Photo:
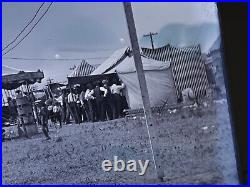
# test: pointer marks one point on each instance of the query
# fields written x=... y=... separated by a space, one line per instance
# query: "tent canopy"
x=158 y=75
x=116 y=58
x=13 y=81
x=128 y=65
x=159 y=81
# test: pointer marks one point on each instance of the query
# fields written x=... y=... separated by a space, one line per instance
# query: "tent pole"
x=143 y=86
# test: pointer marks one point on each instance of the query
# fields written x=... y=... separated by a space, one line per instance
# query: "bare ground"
x=195 y=147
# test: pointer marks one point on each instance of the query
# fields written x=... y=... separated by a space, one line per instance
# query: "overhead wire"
x=33 y=18
x=30 y=30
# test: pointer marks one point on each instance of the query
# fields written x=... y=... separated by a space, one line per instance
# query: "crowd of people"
x=93 y=102
x=98 y=101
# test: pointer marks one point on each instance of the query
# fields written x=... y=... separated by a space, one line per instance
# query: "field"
x=195 y=147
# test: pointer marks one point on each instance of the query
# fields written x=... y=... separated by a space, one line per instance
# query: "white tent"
x=159 y=80
x=116 y=57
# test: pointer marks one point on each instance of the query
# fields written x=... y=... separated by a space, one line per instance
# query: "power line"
x=54 y=59
x=24 y=27
x=30 y=30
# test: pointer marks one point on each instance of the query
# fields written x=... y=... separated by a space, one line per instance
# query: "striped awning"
x=83 y=69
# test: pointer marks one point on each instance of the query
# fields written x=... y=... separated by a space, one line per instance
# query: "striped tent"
x=187 y=65
x=83 y=69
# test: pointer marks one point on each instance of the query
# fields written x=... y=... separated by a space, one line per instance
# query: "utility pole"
x=151 y=37
x=142 y=82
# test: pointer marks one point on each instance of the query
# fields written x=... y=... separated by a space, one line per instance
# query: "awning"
x=13 y=81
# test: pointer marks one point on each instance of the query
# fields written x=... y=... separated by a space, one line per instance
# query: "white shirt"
x=82 y=97
x=116 y=89
x=60 y=100
x=89 y=94
x=50 y=107
x=104 y=90
x=71 y=98
x=56 y=109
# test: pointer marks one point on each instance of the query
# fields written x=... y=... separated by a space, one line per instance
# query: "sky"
x=96 y=30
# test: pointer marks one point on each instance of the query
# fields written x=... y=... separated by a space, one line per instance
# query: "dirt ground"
x=195 y=147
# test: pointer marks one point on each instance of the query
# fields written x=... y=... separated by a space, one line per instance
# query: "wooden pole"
x=142 y=83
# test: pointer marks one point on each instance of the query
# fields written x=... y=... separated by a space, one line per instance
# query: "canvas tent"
x=158 y=77
x=187 y=66
x=117 y=57
x=168 y=71
x=100 y=72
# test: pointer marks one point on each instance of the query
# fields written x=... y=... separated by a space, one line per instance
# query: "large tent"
x=168 y=71
x=158 y=75
x=187 y=66
x=100 y=72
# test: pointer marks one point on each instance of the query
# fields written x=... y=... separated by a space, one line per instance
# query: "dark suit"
x=98 y=107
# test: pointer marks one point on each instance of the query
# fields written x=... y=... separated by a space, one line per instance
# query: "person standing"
x=89 y=98
x=116 y=91
x=57 y=113
x=44 y=117
x=72 y=106
x=22 y=124
x=99 y=94
x=65 y=117
x=108 y=102
x=78 y=105
x=83 y=107
x=50 y=113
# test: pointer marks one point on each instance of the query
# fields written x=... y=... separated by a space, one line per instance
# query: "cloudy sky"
x=95 y=30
